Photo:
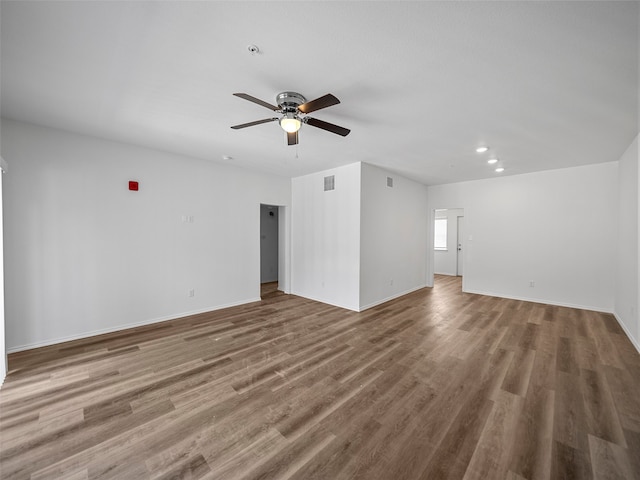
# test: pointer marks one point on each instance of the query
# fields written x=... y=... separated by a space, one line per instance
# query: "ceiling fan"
x=294 y=108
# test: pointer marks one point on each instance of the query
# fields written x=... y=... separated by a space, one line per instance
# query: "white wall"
x=393 y=236
x=445 y=262
x=284 y=248
x=556 y=228
x=3 y=348
x=325 y=233
x=626 y=294
x=84 y=255
x=637 y=338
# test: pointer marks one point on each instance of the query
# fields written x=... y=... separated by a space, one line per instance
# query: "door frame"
x=284 y=246
x=460 y=244
x=430 y=253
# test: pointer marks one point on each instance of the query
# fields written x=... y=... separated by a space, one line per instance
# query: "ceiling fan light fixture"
x=290 y=123
x=293 y=109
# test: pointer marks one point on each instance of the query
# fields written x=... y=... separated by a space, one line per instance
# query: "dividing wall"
x=325 y=226
x=361 y=242
x=628 y=258
x=393 y=236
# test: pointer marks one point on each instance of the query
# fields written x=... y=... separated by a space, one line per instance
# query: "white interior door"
x=460 y=245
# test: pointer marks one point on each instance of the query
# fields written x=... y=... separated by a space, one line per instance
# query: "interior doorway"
x=270 y=251
x=448 y=251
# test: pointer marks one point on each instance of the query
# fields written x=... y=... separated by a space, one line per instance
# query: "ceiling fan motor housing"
x=289 y=101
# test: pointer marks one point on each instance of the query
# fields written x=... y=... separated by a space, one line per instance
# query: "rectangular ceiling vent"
x=389 y=182
x=329 y=183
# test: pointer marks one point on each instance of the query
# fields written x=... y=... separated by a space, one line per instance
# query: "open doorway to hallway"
x=448 y=242
x=269 y=251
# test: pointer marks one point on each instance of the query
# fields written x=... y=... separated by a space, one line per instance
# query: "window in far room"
x=440 y=236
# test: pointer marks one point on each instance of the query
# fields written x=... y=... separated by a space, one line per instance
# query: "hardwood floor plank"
x=82 y=474
x=605 y=346
x=601 y=414
x=450 y=459
x=193 y=468
x=493 y=452
x=437 y=384
x=398 y=422
x=332 y=459
x=240 y=461
x=570 y=463
x=533 y=441
x=288 y=461
x=309 y=365
x=566 y=356
x=624 y=389
x=318 y=407
x=570 y=417
x=517 y=379
x=45 y=450
x=609 y=460
x=633 y=450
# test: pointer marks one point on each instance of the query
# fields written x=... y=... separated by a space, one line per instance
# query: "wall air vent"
x=389 y=182
x=329 y=183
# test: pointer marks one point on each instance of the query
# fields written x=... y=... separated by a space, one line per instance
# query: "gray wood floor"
x=435 y=385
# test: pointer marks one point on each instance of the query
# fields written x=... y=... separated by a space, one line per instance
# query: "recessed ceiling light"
x=482 y=149
x=491 y=161
x=227 y=157
x=499 y=169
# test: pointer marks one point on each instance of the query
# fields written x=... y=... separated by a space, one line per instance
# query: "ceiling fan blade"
x=318 y=103
x=330 y=127
x=292 y=138
x=258 y=101
x=257 y=122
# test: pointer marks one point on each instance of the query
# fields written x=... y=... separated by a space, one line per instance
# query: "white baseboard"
x=315 y=299
x=93 y=333
x=542 y=301
x=392 y=297
x=634 y=341
x=365 y=307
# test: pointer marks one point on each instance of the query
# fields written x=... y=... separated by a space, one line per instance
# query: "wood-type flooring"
x=436 y=384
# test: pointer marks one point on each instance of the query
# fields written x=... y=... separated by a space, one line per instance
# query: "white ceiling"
x=545 y=84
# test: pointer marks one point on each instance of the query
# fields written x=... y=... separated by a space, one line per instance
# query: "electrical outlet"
x=532 y=284
x=391 y=282
x=192 y=293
